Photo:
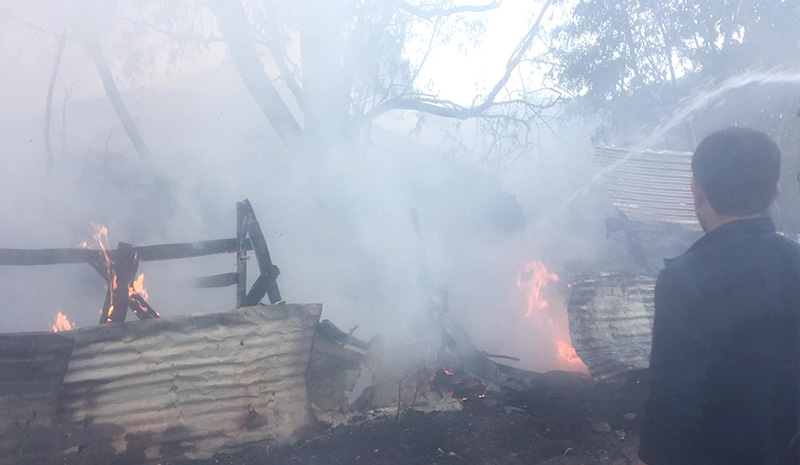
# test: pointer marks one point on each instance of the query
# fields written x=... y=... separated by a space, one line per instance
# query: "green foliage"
x=611 y=49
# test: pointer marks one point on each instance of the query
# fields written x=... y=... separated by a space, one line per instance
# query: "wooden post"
x=268 y=271
x=141 y=308
x=264 y=284
x=242 y=222
x=123 y=272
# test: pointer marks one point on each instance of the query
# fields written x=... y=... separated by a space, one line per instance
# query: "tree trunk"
x=48 y=109
x=236 y=29
x=327 y=81
x=114 y=97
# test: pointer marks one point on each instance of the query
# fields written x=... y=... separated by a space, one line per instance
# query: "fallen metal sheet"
x=611 y=322
x=157 y=390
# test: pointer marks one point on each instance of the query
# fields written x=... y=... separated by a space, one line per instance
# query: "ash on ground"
x=563 y=418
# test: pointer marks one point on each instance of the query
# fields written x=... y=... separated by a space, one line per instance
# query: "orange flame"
x=100 y=237
x=567 y=353
x=137 y=287
x=534 y=278
x=62 y=323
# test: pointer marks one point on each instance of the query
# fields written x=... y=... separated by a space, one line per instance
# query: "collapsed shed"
x=611 y=314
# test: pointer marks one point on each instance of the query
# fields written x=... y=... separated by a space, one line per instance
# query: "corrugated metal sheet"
x=611 y=321
x=32 y=367
x=649 y=185
x=155 y=390
x=191 y=386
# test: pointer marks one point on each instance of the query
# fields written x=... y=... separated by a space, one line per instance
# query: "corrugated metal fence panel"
x=156 y=390
x=611 y=322
x=32 y=367
x=649 y=185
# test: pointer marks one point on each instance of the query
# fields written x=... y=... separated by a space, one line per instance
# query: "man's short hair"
x=739 y=169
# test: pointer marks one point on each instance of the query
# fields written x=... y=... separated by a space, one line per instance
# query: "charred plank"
x=242 y=221
x=189 y=250
x=34 y=257
x=261 y=287
x=141 y=308
x=217 y=280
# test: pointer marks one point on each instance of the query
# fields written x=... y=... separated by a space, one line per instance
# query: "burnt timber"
x=148 y=253
x=120 y=266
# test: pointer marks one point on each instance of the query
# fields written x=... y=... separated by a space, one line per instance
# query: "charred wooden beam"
x=189 y=250
x=217 y=280
x=242 y=220
x=34 y=257
x=261 y=287
x=331 y=333
x=124 y=266
x=261 y=251
x=141 y=308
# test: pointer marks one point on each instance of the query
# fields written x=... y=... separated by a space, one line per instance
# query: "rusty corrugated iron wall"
x=611 y=322
x=154 y=390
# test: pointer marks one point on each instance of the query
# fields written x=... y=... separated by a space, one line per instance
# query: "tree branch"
x=431 y=12
x=114 y=97
x=198 y=39
x=282 y=63
x=449 y=109
x=11 y=17
x=48 y=108
x=237 y=31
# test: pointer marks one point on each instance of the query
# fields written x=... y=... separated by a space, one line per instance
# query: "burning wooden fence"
x=160 y=390
x=118 y=267
x=184 y=387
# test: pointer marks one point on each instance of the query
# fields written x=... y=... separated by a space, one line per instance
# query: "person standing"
x=725 y=361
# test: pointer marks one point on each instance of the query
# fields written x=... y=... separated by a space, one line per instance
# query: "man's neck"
x=718 y=221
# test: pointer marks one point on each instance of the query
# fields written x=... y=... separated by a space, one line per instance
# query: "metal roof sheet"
x=649 y=185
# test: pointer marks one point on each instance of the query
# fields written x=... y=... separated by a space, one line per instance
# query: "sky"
x=457 y=72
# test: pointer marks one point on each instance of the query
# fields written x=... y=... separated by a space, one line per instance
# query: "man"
x=725 y=364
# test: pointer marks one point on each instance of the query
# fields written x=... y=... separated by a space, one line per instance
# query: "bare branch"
x=48 y=108
x=418 y=68
x=449 y=109
x=11 y=17
x=278 y=53
x=198 y=39
x=431 y=12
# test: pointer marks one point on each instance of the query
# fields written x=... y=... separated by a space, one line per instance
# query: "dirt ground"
x=564 y=420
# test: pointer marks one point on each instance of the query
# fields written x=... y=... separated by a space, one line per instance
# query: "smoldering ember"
x=343 y=232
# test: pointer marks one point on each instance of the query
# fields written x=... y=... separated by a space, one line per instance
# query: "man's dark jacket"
x=725 y=364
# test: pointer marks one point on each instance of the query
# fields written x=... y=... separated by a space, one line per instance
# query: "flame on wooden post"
x=137 y=287
x=62 y=323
